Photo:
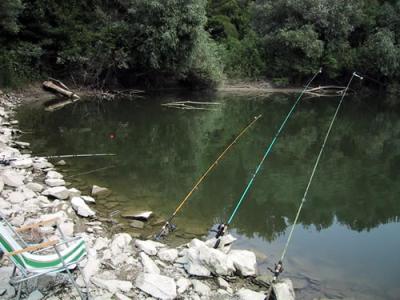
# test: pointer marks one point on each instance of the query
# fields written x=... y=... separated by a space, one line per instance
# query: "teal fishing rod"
x=222 y=228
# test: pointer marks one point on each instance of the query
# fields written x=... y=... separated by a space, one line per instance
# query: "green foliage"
x=9 y=10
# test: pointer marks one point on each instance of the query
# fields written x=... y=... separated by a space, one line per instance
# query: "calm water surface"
x=347 y=243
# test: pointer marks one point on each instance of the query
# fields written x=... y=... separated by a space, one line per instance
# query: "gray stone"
x=149 y=265
x=120 y=243
x=81 y=208
x=144 y=215
x=35 y=295
x=201 y=288
x=54 y=175
x=119 y=296
x=12 y=178
x=246 y=294
x=22 y=163
x=113 y=285
x=59 y=192
x=244 y=262
x=35 y=187
x=61 y=163
x=222 y=283
x=16 y=197
x=137 y=224
x=158 y=286
x=149 y=247
x=88 y=199
x=183 y=284
x=99 y=191
x=283 y=290
x=52 y=182
x=169 y=255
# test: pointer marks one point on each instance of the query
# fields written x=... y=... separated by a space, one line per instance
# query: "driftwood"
x=192 y=105
x=328 y=90
x=57 y=87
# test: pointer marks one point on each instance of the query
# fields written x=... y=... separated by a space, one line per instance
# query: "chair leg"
x=85 y=281
x=19 y=290
x=71 y=278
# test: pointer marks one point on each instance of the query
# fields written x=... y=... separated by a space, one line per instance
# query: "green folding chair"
x=31 y=262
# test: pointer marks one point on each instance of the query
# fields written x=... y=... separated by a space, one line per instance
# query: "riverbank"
x=118 y=266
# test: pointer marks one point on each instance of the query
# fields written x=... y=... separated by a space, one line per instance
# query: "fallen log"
x=56 y=88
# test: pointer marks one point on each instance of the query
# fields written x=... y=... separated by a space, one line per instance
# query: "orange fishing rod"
x=167 y=226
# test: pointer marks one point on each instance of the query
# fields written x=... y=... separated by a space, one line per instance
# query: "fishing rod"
x=168 y=226
x=278 y=269
x=78 y=155
x=222 y=228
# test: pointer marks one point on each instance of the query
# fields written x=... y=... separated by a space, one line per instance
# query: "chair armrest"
x=34 y=247
x=59 y=244
x=36 y=225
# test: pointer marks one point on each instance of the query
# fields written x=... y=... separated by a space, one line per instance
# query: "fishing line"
x=168 y=226
x=279 y=266
x=223 y=227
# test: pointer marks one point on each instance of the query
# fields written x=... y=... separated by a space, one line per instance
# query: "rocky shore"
x=117 y=266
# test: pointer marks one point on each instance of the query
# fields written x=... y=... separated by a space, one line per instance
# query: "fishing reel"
x=221 y=230
x=276 y=271
x=165 y=230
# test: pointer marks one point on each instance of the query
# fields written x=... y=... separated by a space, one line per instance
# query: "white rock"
x=244 y=262
x=112 y=286
x=16 y=197
x=149 y=265
x=73 y=192
x=88 y=199
x=120 y=243
x=17 y=221
x=35 y=187
x=101 y=243
x=41 y=163
x=81 y=207
x=183 y=284
x=201 y=288
x=222 y=283
x=225 y=243
x=193 y=265
x=149 y=247
x=100 y=191
x=4 y=204
x=158 y=286
x=246 y=294
x=283 y=290
x=12 y=178
x=1 y=184
x=144 y=215
x=59 y=192
x=92 y=266
x=52 y=182
x=119 y=296
x=35 y=295
x=67 y=228
x=22 y=163
x=168 y=254
x=61 y=163
x=28 y=192
x=54 y=175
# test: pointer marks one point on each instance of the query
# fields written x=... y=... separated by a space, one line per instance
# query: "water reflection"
x=162 y=151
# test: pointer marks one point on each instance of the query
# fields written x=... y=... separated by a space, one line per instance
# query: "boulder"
x=112 y=286
x=16 y=197
x=35 y=187
x=67 y=228
x=283 y=290
x=59 y=192
x=54 y=175
x=149 y=247
x=101 y=243
x=73 y=192
x=183 y=284
x=244 y=262
x=99 y=191
x=81 y=207
x=35 y=295
x=246 y=294
x=41 y=163
x=120 y=243
x=158 y=286
x=88 y=199
x=201 y=288
x=149 y=265
x=137 y=224
x=12 y=178
x=52 y=182
x=225 y=243
x=22 y=163
x=168 y=254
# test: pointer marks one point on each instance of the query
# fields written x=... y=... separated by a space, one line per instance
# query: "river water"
x=347 y=242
